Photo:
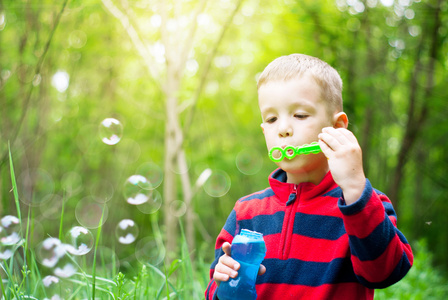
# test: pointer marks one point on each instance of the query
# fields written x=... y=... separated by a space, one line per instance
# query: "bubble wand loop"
x=313 y=148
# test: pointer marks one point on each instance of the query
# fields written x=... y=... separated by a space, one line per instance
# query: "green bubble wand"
x=312 y=148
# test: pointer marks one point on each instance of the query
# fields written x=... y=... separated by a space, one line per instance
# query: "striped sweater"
x=318 y=247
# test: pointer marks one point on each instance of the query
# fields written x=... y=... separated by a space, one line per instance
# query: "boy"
x=328 y=233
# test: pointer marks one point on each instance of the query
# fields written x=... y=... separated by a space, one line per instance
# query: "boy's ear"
x=262 y=127
x=340 y=120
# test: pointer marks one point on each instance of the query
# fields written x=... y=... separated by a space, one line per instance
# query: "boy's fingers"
x=261 y=270
x=226 y=270
x=226 y=248
x=218 y=277
x=229 y=262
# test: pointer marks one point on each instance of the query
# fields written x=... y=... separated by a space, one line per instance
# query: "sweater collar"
x=305 y=190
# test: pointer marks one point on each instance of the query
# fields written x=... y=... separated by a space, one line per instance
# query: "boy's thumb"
x=226 y=248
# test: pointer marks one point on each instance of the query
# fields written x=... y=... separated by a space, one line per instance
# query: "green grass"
x=23 y=275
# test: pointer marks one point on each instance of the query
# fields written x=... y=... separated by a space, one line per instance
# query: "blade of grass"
x=62 y=217
x=98 y=234
x=14 y=186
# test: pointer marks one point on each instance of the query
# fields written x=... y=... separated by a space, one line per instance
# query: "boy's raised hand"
x=344 y=155
x=227 y=267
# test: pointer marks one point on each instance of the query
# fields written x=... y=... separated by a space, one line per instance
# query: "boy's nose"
x=285 y=130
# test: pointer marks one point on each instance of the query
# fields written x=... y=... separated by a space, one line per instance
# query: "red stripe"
x=255 y=207
x=379 y=269
x=362 y=224
x=327 y=291
x=223 y=236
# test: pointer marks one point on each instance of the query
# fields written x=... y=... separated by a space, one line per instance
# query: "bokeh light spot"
x=88 y=213
x=218 y=184
x=249 y=162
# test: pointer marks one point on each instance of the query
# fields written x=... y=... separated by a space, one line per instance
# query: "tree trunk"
x=416 y=119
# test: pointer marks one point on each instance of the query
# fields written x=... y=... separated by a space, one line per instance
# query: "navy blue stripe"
x=218 y=254
x=319 y=227
x=230 y=225
x=378 y=192
x=359 y=205
x=397 y=274
x=374 y=245
x=261 y=196
x=299 y=272
x=389 y=209
x=208 y=289
x=265 y=224
x=336 y=193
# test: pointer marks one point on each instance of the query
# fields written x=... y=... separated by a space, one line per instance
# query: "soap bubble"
x=88 y=213
x=107 y=263
x=249 y=162
x=150 y=251
x=79 y=240
x=218 y=184
x=128 y=152
x=51 y=207
x=52 y=287
x=178 y=208
x=50 y=251
x=34 y=185
x=126 y=231
x=6 y=251
x=65 y=267
x=152 y=172
x=102 y=191
x=111 y=131
x=153 y=204
x=137 y=190
x=72 y=183
x=10 y=230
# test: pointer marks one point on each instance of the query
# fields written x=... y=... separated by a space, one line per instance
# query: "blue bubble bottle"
x=249 y=249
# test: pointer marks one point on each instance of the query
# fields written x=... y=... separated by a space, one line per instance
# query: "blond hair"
x=297 y=65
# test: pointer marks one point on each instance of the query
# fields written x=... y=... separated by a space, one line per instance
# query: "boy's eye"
x=301 y=116
x=271 y=120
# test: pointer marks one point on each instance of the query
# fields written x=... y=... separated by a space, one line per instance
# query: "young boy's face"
x=294 y=113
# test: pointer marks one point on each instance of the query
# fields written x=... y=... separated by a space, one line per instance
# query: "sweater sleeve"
x=226 y=235
x=380 y=254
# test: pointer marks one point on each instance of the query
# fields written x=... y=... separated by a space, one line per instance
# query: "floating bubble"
x=182 y=167
x=34 y=185
x=178 y=208
x=136 y=190
x=77 y=39
x=102 y=191
x=72 y=183
x=152 y=172
x=6 y=251
x=153 y=204
x=249 y=162
x=218 y=184
x=65 y=267
x=88 y=212
x=150 y=250
x=111 y=131
x=51 y=207
x=107 y=263
x=52 y=286
x=128 y=152
x=79 y=240
x=10 y=230
x=50 y=251
x=126 y=231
